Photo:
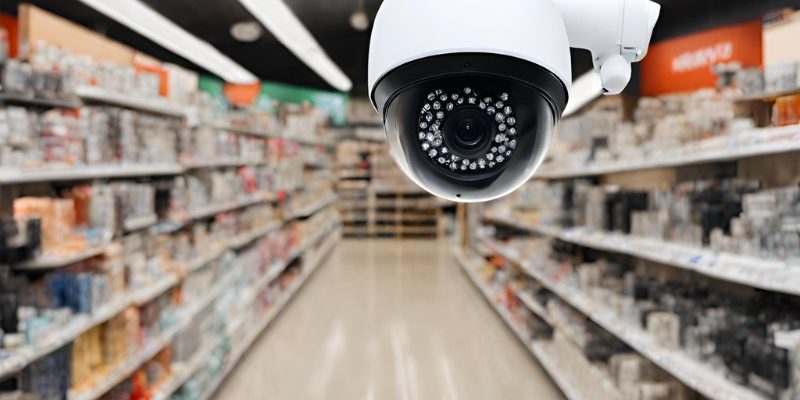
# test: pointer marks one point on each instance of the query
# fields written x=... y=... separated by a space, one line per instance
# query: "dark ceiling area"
x=329 y=22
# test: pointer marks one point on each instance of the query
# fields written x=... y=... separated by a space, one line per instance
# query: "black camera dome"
x=469 y=127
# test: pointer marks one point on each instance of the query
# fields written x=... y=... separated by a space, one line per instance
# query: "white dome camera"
x=470 y=90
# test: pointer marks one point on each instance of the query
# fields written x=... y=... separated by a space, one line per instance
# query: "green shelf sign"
x=334 y=104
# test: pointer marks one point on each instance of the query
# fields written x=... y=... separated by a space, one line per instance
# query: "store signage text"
x=685 y=64
x=703 y=58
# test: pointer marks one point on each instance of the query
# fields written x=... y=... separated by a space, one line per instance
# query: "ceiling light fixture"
x=246 y=31
x=359 y=19
x=137 y=16
x=283 y=23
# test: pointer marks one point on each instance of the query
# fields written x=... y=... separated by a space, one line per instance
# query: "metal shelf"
x=134 y=297
x=188 y=314
x=248 y=131
x=777 y=276
x=563 y=377
x=703 y=378
x=151 y=105
x=753 y=143
x=276 y=308
x=12 y=98
x=79 y=173
x=766 y=96
x=52 y=262
x=139 y=223
x=309 y=141
x=223 y=163
x=184 y=371
x=244 y=239
x=212 y=210
x=20 y=358
x=311 y=209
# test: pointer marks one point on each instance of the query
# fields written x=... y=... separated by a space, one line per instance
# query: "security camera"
x=470 y=90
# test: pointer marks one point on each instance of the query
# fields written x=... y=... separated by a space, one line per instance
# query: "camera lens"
x=463 y=132
x=468 y=132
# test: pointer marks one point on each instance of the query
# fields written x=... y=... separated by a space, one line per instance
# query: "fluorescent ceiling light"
x=136 y=15
x=281 y=21
x=584 y=90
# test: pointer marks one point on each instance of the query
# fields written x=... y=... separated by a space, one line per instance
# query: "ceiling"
x=328 y=21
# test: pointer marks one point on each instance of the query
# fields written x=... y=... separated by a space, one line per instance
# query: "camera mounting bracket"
x=617 y=32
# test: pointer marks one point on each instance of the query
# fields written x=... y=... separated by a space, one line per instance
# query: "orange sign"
x=684 y=64
x=242 y=94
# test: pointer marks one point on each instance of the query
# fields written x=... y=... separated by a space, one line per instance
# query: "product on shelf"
x=20 y=239
x=781 y=77
x=732 y=216
x=49 y=377
x=300 y=230
x=97 y=352
x=302 y=123
x=131 y=286
x=32 y=81
x=786 y=111
x=58 y=222
x=89 y=135
x=671 y=127
x=585 y=357
x=207 y=144
x=724 y=327
x=54 y=73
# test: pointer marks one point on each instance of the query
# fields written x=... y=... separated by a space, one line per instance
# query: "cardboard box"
x=39 y=26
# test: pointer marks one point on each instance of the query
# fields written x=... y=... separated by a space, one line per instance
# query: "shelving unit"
x=79 y=324
x=244 y=239
x=83 y=173
x=368 y=212
x=307 y=211
x=541 y=349
x=754 y=143
x=83 y=323
x=16 y=176
x=215 y=209
x=91 y=94
x=53 y=261
x=751 y=171
x=376 y=200
x=246 y=131
x=190 y=311
x=401 y=213
x=778 y=276
x=259 y=326
x=135 y=224
x=312 y=249
x=32 y=101
x=354 y=198
x=182 y=372
x=703 y=378
x=232 y=163
x=767 y=96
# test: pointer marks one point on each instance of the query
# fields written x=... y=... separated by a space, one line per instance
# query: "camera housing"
x=470 y=91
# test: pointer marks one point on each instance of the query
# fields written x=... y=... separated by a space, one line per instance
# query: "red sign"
x=684 y=64
x=9 y=23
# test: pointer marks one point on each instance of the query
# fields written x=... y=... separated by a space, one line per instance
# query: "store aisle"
x=388 y=320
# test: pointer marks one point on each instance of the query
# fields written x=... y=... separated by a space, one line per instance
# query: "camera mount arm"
x=617 y=32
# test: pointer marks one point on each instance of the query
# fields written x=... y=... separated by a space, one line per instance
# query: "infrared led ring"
x=460 y=130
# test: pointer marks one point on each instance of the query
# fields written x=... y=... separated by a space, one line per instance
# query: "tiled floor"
x=388 y=320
